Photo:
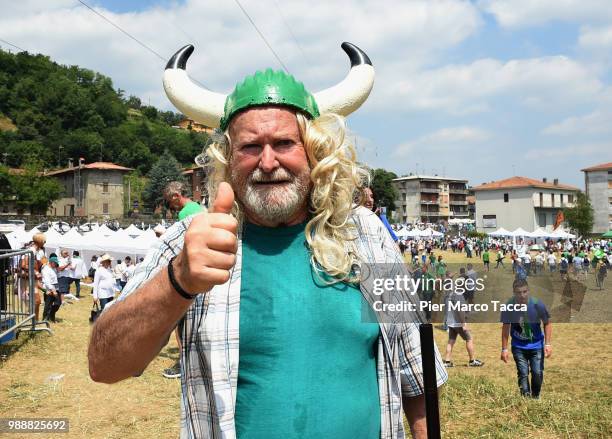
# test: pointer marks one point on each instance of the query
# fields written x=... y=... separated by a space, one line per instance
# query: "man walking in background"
x=529 y=343
x=53 y=299
x=485 y=258
x=79 y=272
x=457 y=325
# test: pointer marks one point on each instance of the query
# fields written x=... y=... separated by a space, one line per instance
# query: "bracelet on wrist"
x=548 y=344
x=504 y=349
x=175 y=285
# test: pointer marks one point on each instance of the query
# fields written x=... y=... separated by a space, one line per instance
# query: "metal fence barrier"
x=19 y=295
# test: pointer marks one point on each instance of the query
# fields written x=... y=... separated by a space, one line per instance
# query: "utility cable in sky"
x=121 y=30
x=131 y=36
x=262 y=36
x=290 y=31
x=11 y=44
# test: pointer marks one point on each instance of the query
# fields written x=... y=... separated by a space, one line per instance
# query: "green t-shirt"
x=189 y=209
x=485 y=256
x=307 y=366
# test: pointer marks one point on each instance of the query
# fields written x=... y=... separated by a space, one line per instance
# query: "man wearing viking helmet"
x=266 y=288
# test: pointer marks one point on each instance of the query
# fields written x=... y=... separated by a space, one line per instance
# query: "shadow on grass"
x=10 y=348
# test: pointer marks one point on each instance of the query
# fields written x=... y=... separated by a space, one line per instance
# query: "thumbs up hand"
x=209 y=250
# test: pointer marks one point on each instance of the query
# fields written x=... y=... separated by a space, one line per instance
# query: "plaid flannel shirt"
x=210 y=338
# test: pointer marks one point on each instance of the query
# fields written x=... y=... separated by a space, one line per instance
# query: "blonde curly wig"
x=336 y=179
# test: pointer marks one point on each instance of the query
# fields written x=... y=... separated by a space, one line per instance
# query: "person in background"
x=79 y=272
x=552 y=262
x=457 y=325
x=128 y=272
x=93 y=266
x=53 y=299
x=486 y=258
x=176 y=196
x=65 y=272
x=601 y=271
x=118 y=274
x=38 y=248
x=104 y=285
x=499 y=258
x=539 y=263
x=529 y=344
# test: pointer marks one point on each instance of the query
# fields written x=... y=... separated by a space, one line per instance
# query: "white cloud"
x=227 y=47
x=597 y=122
x=546 y=82
x=522 y=13
x=440 y=140
x=597 y=38
x=570 y=152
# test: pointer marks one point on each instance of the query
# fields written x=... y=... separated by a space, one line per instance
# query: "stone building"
x=90 y=190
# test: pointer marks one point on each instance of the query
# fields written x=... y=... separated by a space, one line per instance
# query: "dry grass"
x=143 y=407
x=476 y=403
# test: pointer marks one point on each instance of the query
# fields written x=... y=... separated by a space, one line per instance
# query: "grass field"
x=476 y=403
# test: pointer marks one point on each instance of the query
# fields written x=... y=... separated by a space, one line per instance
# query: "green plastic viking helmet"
x=267 y=88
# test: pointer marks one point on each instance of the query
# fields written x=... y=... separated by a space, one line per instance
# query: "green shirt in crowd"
x=485 y=256
x=189 y=209
x=307 y=366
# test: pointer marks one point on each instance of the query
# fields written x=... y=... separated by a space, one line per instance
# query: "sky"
x=481 y=90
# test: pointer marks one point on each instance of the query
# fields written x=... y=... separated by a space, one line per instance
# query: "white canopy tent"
x=540 y=234
x=562 y=234
x=500 y=232
x=133 y=231
x=520 y=232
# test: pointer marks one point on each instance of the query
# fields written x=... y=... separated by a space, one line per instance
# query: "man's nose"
x=268 y=161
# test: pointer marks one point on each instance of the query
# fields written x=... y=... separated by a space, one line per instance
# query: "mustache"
x=278 y=175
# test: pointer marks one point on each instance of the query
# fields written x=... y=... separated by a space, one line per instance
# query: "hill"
x=53 y=112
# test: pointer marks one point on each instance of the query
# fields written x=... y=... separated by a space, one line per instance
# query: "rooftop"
x=522 y=182
x=429 y=177
x=600 y=167
x=101 y=166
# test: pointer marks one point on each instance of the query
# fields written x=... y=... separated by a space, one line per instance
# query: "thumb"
x=224 y=201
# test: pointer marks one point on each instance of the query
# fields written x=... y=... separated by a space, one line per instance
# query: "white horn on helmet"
x=197 y=103
x=348 y=95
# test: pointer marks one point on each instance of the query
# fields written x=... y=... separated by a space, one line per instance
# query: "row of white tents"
x=536 y=234
x=417 y=233
x=130 y=241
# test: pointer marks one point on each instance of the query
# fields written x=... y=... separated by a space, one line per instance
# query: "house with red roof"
x=598 y=185
x=521 y=202
x=90 y=190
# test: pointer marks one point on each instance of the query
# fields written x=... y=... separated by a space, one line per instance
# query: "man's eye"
x=284 y=143
x=250 y=147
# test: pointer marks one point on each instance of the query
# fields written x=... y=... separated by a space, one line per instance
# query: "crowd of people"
x=55 y=274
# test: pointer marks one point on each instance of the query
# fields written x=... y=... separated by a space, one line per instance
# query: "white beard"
x=277 y=203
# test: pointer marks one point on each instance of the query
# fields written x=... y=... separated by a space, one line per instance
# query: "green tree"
x=134 y=185
x=384 y=192
x=34 y=191
x=6 y=185
x=165 y=170
x=580 y=217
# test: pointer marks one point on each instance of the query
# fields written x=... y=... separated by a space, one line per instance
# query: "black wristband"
x=175 y=283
